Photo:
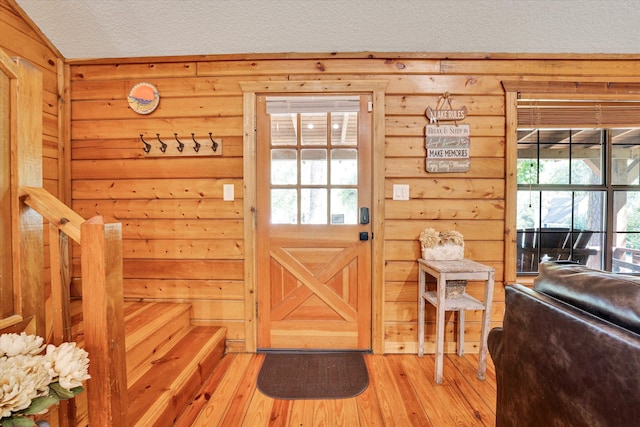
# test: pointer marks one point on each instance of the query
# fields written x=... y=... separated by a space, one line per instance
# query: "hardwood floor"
x=401 y=392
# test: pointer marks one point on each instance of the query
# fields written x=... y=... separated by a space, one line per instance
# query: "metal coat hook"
x=180 y=144
x=163 y=146
x=196 y=146
x=214 y=144
x=147 y=146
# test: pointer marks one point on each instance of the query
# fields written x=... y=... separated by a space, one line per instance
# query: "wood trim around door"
x=374 y=87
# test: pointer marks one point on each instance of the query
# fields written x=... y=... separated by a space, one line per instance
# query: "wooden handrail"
x=53 y=210
x=102 y=302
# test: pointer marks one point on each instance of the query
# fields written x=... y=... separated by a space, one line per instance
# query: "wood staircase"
x=147 y=360
x=168 y=361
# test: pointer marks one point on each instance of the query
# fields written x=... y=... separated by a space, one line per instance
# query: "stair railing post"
x=103 y=317
x=60 y=300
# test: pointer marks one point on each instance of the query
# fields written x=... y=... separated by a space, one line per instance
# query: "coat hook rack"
x=214 y=144
x=147 y=146
x=180 y=143
x=163 y=146
x=196 y=145
x=177 y=149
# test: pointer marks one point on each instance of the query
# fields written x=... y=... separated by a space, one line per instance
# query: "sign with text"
x=438 y=115
x=447 y=148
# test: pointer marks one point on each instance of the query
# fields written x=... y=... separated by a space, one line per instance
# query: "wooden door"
x=313 y=228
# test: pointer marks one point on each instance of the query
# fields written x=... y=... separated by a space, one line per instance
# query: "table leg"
x=486 y=321
x=421 y=310
x=440 y=281
x=461 y=332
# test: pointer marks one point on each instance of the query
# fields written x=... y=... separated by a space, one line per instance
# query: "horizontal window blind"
x=573 y=114
x=312 y=104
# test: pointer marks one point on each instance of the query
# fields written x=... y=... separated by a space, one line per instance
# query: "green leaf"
x=41 y=403
x=77 y=390
x=17 y=422
x=61 y=392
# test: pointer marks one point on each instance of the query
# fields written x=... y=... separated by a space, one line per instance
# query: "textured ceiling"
x=82 y=29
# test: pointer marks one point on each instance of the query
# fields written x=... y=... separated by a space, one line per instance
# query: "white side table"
x=442 y=271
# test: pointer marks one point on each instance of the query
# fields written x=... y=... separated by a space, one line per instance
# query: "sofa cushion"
x=612 y=297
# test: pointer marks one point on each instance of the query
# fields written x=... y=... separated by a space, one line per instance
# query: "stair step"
x=142 y=321
x=150 y=330
x=165 y=390
x=190 y=414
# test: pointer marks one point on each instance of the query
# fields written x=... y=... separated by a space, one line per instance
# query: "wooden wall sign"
x=447 y=148
x=435 y=116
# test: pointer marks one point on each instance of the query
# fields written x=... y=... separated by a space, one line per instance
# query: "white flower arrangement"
x=35 y=376
x=443 y=245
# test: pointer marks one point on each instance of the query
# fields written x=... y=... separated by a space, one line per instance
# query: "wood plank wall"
x=20 y=38
x=182 y=242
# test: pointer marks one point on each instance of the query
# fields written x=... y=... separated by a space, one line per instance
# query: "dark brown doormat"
x=313 y=375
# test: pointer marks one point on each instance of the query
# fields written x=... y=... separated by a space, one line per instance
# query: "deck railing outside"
x=626 y=260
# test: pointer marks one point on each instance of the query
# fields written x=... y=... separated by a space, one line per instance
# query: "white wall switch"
x=228 y=192
x=400 y=192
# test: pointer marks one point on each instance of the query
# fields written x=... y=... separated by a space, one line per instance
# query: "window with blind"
x=578 y=191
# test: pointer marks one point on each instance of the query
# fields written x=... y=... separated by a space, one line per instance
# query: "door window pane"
x=344 y=166
x=344 y=128
x=314 y=159
x=284 y=129
x=313 y=206
x=313 y=169
x=313 y=128
x=344 y=206
x=284 y=206
x=284 y=167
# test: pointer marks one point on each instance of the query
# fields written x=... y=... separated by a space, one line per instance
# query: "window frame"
x=515 y=92
x=606 y=187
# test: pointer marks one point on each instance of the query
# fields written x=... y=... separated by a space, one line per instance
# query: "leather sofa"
x=568 y=353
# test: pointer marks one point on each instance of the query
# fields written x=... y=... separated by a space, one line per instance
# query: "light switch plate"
x=400 y=192
x=228 y=192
